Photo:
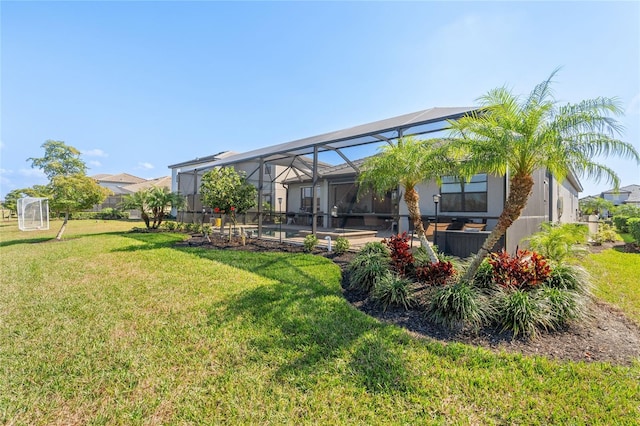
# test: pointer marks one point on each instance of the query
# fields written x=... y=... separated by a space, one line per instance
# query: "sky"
x=138 y=86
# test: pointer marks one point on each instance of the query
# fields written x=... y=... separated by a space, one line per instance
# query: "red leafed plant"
x=525 y=270
x=401 y=256
x=435 y=273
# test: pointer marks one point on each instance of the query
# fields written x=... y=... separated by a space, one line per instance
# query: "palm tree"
x=153 y=203
x=137 y=201
x=159 y=201
x=518 y=136
x=407 y=163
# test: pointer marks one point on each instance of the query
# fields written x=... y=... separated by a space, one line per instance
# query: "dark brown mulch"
x=607 y=335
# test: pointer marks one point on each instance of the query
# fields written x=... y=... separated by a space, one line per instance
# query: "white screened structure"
x=33 y=214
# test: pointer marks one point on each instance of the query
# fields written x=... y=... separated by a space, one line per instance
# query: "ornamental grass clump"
x=392 y=289
x=458 y=305
x=375 y=247
x=522 y=312
x=366 y=269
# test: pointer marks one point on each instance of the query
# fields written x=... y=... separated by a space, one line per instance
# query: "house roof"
x=161 y=182
x=624 y=189
x=124 y=178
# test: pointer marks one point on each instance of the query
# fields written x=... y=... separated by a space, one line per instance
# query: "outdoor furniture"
x=474 y=227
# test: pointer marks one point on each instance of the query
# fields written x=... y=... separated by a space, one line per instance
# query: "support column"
x=314 y=202
x=260 y=187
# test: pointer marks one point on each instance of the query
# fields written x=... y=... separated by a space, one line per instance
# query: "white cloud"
x=5 y=172
x=94 y=153
x=95 y=163
x=145 y=166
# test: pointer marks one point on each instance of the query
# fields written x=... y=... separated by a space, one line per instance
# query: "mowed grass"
x=616 y=276
x=114 y=328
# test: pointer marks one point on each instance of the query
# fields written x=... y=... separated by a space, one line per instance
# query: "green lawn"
x=616 y=276
x=113 y=328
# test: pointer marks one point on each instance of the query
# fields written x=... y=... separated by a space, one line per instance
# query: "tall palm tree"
x=407 y=163
x=518 y=136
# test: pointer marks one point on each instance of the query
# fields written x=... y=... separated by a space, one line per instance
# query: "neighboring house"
x=318 y=194
x=629 y=194
x=124 y=184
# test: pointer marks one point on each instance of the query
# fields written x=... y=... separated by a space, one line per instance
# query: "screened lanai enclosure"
x=326 y=164
x=310 y=186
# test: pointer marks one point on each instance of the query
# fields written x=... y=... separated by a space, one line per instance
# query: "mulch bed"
x=607 y=335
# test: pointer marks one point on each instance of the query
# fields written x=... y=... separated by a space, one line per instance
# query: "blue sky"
x=137 y=86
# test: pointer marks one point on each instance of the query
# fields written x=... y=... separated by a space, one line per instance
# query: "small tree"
x=69 y=187
x=74 y=193
x=153 y=204
x=227 y=191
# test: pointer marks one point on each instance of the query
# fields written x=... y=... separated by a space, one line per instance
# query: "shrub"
x=375 y=247
x=366 y=269
x=605 y=233
x=109 y=213
x=570 y=277
x=620 y=222
x=342 y=245
x=310 y=242
x=207 y=229
x=458 y=305
x=558 y=242
x=392 y=289
x=402 y=259
x=633 y=225
x=483 y=279
x=563 y=305
x=435 y=273
x=522 y=312
x=525 y=270
x=169 y=225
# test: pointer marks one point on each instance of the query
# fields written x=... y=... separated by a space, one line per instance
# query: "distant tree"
x=519 y=136
x=595 y=205
x=69 y=187
x=227 y=191
x=11 y=199
x=153 y=203
x=407 y=163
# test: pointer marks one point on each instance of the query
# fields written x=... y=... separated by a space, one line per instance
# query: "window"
x=461 y=196
x=306 y=198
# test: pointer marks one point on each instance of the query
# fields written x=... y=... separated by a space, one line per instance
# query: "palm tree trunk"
x=412 y=199
x=64 y=226
x=520 y=190
x=145 y=217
